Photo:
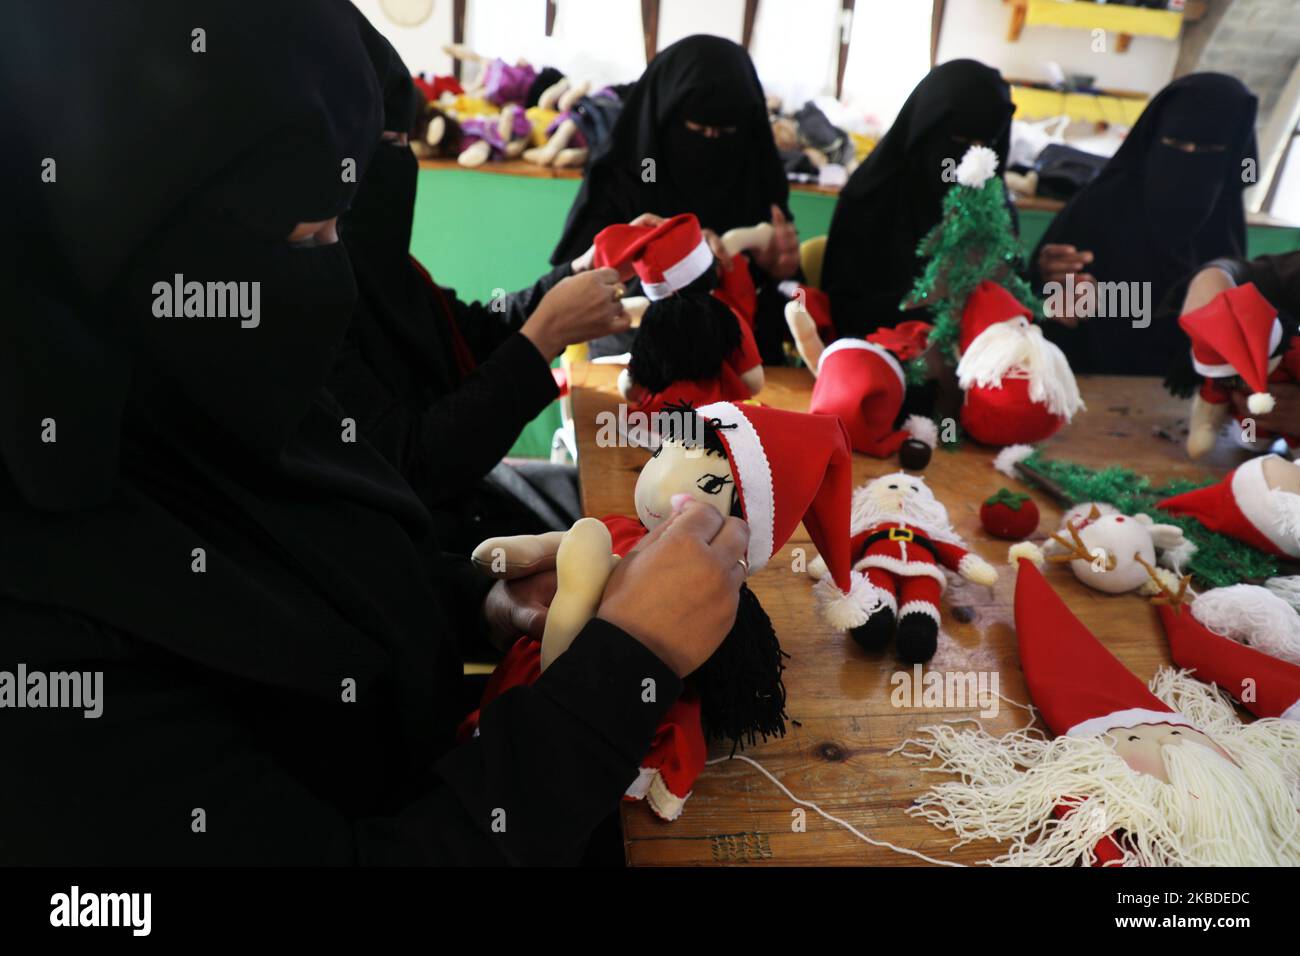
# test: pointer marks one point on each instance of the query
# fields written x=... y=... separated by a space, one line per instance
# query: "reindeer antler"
x=1165 y=596
x=1076 y=549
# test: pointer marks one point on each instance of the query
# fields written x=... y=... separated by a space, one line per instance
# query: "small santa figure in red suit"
x=1136 y=775
x=1238 y=341
x=901 y=543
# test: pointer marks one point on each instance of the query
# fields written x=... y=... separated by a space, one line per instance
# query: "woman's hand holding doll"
x=578 y=309
x=696 y=552
x=781 y=257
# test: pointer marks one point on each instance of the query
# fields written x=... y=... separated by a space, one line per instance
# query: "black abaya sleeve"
x=486 y=325
x=856 y=277
x=177 y=744
x=445 y=447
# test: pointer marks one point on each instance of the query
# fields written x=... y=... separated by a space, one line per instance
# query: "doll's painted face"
x=1142 y=747
x=678 y=468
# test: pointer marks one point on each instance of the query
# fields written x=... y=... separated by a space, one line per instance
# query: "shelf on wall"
x=1128 y=22
x=1033 y=103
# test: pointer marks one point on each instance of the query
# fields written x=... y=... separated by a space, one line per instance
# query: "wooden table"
x=837 y=753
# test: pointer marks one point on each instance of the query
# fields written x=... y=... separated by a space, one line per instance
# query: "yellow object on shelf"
x=1136 y=21
x=1035 y=104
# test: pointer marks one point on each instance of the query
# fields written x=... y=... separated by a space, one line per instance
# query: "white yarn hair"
x=923 y=511
x=1214 y=812
x=1009 y=457
x=1284 y=507
x=977 y=166
x=1016 y=348
x=1253 y=616
x=847 y=611
x=922 y=429
x=1287 y=588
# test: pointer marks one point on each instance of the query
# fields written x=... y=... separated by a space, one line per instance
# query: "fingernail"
x=679 y=501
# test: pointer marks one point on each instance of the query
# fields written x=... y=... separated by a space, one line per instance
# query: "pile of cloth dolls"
x=511 y=111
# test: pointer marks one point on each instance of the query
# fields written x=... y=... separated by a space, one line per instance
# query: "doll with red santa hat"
x=1165 y=775
x=1238 y=340
x=1258 y=503
x=695 y=322
x=901 y=541
x=773 y=468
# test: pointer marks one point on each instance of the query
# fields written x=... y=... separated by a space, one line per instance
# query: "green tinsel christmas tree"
x=973 y=241
x=1219 y=560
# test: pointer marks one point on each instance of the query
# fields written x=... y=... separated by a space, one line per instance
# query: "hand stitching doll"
x=1166 y=776
x=771 y=467
x=695 y=337
x=901 y=542
x=1238 y=341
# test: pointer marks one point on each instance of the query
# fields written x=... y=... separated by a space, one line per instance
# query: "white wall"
x=420 y=46
x=682 y=18
x=978 y=29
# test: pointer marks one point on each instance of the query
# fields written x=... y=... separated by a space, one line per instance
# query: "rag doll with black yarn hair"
x=695 y=324
x=711 y=454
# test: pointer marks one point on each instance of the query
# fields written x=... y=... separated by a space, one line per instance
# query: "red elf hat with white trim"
x=789 y=467
x=1244 y=507
x=1236 y=333
x=666 y=257
x=1266 y=686
x=861 y=382
x=1080 y=688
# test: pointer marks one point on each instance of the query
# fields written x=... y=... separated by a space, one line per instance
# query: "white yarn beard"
x=1212 y=813
x=1285 y=509
x=923 y=511
x=1016 y=349
x=1253 y=616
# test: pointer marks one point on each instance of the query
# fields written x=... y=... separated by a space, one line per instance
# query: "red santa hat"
x=1019 y=387
x=1242 y=506
x=1078 y=686
x=666 y=257
x=789 y=467
x=1235 y=334
x=1274 y=685
x=861 y=382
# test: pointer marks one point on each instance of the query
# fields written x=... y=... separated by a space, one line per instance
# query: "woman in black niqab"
x=658 y=160
x=1167 y=202
x=896 y=196
x=180 y=508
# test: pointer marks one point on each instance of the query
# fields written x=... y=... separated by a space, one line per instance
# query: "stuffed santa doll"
x=1019 y=388
x=901 y=542
x=861 y=382
x=1136 y=776
x=1258 y=504
x=1233 y=637
x=773 y=468
x=695 y=333
x=1238 y=342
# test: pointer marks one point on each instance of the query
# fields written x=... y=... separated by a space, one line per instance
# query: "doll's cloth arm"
x=444 y=446
x=555 y=757
x=950 y=555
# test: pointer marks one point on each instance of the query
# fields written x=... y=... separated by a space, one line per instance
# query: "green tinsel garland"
x=973 y=241
x=1219 y=560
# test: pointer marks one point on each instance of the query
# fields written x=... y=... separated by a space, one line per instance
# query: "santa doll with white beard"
x=901 y=543
x=1165 y=775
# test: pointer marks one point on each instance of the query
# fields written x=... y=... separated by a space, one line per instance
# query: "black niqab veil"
x=896 y=196
x=728 y=181
x=1157 y=212
x=182 y=433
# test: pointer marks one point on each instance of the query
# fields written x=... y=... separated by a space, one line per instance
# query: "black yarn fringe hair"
x=742 y=695
x=685 y=337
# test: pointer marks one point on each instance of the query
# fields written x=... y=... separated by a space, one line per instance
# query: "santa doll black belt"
x=903 y=534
